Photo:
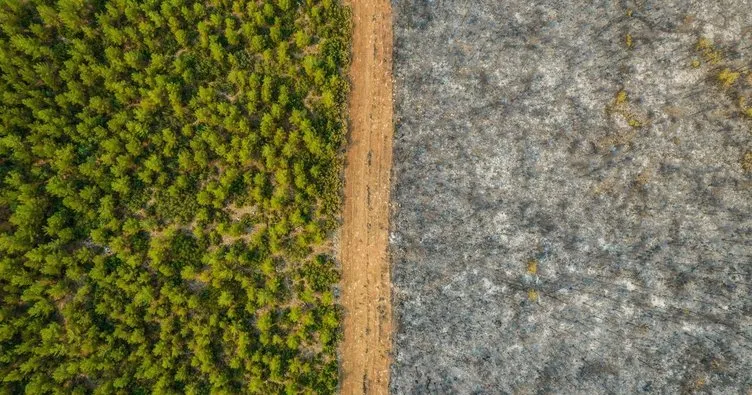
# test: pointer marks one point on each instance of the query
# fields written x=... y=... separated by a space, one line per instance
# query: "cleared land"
x=572 y=213
x=366 y=290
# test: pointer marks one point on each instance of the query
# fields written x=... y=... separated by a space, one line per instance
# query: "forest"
x=169 y=184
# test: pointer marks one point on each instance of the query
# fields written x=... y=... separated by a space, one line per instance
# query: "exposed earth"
x=366 y=291
x=572 y=211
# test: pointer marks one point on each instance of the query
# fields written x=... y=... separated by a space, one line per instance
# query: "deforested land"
x=571 y=202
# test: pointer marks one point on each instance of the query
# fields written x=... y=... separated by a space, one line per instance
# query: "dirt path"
x=366 y=290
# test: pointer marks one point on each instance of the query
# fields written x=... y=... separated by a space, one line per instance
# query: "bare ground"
x=572 y=213
x=366 y=291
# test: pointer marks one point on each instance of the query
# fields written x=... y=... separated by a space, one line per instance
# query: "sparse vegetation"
x=532 y=267
x=708 y=51
x=734 y=79
x=532 y=295
x=169 y=174
x=747 y=162
x=621 y=98
x=621 y=107
x=728 y=77
x=640 y=268
x=634 y=123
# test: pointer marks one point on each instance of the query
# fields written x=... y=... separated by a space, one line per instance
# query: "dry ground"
x=366 y=291
x=571 y=209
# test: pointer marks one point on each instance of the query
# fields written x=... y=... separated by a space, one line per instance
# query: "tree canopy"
x=169 y=176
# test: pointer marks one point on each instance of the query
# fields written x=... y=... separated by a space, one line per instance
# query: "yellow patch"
x=532 y=266
x=708 y=51
x=621 y=97
x=728 y=77
x=747 y=161
x=204 y=277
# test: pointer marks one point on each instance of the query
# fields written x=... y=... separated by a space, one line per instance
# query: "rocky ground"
x=571 y=210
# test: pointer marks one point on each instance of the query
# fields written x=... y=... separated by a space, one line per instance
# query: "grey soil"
x=550 y=235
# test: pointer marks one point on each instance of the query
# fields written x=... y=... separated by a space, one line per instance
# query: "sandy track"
x=366 y=290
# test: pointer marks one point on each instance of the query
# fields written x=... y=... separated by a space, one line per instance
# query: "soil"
x=366 y=291
x=571 y=210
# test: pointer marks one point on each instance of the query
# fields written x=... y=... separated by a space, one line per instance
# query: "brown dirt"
x=366 y=291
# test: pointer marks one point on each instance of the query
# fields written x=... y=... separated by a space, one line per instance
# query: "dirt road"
x=366 y=291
